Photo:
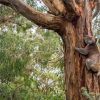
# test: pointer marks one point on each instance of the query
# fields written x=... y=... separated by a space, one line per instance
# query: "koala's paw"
x=82 y=51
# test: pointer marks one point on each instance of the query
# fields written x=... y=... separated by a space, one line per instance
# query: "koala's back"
x=93 y=63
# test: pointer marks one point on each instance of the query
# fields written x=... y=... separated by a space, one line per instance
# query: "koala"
x=92 y=54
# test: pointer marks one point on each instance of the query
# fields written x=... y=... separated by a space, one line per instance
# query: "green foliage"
x=13 y=56
x=31 y=64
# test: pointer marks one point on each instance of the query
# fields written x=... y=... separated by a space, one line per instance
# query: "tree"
x=71 y=19
x=26 y=71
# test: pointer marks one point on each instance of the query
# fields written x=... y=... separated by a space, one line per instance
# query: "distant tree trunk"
x=71 y=19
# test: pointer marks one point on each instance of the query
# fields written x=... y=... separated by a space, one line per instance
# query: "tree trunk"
x=76 y=74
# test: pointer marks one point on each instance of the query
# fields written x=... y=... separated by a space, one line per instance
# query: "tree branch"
x=97 y=9
x=74 y=6
x=4 y=19
x=41 y=19
x=55 y=6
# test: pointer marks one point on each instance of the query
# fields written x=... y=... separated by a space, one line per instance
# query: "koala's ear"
x=82 y=51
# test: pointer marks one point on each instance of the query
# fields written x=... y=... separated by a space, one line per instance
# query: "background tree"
x=26 y=71
x=71 y=20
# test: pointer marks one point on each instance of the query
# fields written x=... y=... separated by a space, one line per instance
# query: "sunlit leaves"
x=13 y=56
x=31 y=61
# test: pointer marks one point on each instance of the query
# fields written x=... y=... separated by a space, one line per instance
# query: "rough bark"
x=72 y=21
x=76 y=74
x=54 y=7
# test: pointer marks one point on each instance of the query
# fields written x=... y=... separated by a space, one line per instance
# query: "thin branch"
x=97 y=9
x=4 y=19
